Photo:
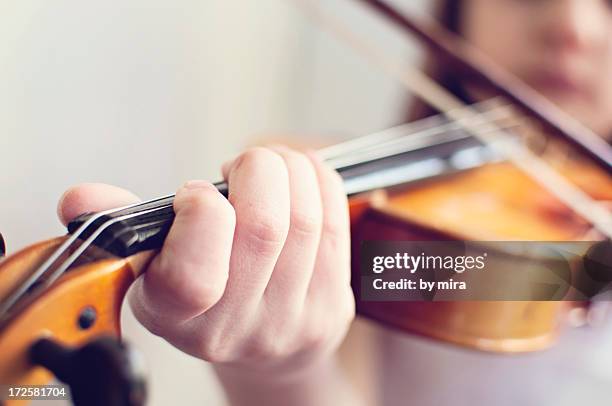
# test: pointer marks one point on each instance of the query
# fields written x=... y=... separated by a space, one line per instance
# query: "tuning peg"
x=103 y=372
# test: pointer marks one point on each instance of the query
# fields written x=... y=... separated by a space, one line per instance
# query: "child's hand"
x=259 y=281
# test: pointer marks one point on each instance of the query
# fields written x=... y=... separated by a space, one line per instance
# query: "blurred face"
x=562 y=48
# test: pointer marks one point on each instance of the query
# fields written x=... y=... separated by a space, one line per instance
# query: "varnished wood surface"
x=21 y=264
x=496 y=202
x=492 y=203
x=101 y=285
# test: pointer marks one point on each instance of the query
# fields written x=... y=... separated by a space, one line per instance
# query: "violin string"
x=453 y=134
x=55 y=274
x=35 y=276
x=490 y=109
x=89 y=241
x=419 y=140
x=438 y=97
x=405 y=132
x=440 y=162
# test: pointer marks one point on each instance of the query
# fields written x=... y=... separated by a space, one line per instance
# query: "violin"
x=406 y=183
x=483 y=201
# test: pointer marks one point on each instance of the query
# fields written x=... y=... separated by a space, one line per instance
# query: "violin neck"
x=145 y=226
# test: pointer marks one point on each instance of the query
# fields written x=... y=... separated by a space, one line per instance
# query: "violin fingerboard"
x=127 y=237
x=131 y=230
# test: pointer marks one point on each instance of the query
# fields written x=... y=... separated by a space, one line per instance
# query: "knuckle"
x=314 y=337
x=207 y=202
x=306 y=222
x=336 y=231
x=195 y=295
x=256 y=156
x=268 y=231
x=202 y=296
x=217 y=351
x=266 y=347
x=208 y=294
x=306 y=217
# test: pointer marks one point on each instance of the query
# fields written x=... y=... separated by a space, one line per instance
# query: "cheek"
x=606 y=77
x=498 y=30
x=602 y=85
x=607 y=98
x=606 y=110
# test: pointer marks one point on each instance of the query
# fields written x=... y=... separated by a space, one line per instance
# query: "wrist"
x=277 y=374
x=318 y=383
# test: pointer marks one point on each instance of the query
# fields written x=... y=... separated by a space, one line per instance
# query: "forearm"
x=321 y=385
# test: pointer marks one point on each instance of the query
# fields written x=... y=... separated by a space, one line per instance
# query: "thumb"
x=91 y=197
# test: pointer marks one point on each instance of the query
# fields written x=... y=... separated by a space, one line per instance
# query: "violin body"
x=494 y=202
